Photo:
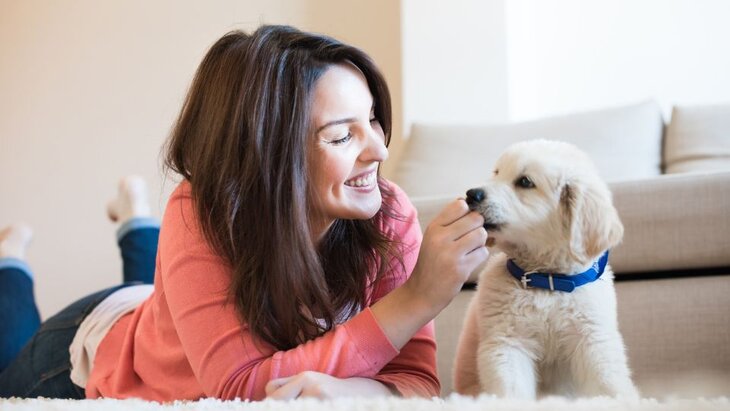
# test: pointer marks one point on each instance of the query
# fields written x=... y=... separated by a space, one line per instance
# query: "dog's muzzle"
x=474 y=199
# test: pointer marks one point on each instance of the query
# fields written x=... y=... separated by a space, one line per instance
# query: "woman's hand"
x=454 y=244
x=318 y=385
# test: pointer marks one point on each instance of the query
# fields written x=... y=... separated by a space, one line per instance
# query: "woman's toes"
x=131 y=200
x=14 y=240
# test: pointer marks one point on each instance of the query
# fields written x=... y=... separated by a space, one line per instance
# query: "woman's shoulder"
x=180 y=210
x=182 y=190
x=180 y=198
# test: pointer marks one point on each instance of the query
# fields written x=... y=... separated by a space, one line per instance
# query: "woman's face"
x=349 y=144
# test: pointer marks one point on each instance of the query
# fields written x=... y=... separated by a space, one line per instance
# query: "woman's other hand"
x=322 y=386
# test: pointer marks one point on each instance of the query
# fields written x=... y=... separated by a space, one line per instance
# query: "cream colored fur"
x=524 y=343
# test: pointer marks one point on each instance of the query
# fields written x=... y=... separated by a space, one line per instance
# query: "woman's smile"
x=364 y=182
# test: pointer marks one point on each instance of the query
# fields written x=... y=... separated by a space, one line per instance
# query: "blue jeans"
x=34 y=357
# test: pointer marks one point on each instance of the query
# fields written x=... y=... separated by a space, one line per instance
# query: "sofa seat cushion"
x=624 y=142
x=698 y=139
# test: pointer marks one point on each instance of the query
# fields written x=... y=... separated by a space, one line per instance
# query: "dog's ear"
x=590 y=220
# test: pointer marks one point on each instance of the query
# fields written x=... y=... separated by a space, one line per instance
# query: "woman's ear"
x=590 y=219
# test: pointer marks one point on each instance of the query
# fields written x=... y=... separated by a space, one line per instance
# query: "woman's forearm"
x=401 y=314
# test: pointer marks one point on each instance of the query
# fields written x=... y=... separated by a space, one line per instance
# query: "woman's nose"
x=375 y=149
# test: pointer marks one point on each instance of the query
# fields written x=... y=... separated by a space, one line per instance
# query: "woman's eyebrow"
x=342 y=121
x=336 y=122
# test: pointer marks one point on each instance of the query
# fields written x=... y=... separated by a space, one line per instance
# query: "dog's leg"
x=466 y=376
x=600 y=367
x=506 y=371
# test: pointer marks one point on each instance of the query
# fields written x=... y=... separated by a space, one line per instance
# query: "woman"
x=287 y=266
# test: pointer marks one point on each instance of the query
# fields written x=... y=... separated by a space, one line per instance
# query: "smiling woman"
x=287 y=266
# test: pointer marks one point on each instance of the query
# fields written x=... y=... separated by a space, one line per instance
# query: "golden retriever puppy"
x=543 y=320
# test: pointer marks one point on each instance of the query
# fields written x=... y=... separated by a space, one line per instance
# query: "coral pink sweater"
x=185 y=342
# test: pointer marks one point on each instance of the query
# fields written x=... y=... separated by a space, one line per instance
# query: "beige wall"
x=374 y=26
x=88 y=92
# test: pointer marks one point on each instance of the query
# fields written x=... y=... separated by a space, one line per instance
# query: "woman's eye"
x=342 y=140
x=524 y=182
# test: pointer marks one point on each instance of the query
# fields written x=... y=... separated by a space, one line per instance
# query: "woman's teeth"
x=362 y=181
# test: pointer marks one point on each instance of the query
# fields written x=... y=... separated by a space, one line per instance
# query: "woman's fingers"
x=473 y=247
x=476 y=256
x=466 y=225
x=455 y=220
x=274 y=384
x=284 y=388
x=473 y=239
x=452 y=212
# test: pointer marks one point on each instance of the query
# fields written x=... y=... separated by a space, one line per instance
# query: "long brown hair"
x=241 y=140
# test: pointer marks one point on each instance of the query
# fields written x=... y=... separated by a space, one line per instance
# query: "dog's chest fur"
x=548 y=325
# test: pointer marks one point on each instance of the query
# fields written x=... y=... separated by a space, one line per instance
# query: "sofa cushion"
x=624 y=142
x=671 y=222
x=698 y=139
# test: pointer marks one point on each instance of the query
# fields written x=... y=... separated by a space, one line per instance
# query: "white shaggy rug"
x=452 y=403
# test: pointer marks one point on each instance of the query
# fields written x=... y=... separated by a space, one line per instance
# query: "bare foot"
x=14 y=240
x=131 y=200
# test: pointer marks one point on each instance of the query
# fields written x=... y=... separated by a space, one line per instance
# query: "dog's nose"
x=474 y=196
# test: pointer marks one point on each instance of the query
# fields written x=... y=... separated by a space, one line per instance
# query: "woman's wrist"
x=402 y=313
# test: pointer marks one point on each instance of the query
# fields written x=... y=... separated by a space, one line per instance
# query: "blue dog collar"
x=560 y=282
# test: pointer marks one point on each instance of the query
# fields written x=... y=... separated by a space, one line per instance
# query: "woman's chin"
x=368 y=212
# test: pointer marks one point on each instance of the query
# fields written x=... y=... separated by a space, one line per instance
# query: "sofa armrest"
x=673 y=222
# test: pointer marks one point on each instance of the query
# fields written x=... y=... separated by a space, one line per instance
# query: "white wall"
x=470 y=61
x=454 y=61
x=567 y=55
x=88 y=93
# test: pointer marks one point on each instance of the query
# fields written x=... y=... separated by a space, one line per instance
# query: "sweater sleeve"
x=413 y=371
x=223 y=356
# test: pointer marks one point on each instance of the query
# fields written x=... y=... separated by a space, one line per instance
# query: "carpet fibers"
x=452 y=403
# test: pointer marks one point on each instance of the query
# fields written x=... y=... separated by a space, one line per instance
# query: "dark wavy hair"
x=241 y=140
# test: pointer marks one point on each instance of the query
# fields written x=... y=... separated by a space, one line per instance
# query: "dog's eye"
x=496 y=172
x=524 y=182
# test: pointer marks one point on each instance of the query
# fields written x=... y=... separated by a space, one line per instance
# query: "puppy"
x=543 y=320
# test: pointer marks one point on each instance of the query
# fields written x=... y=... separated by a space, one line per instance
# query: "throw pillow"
x=698 y=139
x=624 y=142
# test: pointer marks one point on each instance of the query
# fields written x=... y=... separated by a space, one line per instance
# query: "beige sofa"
x=671 y=186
